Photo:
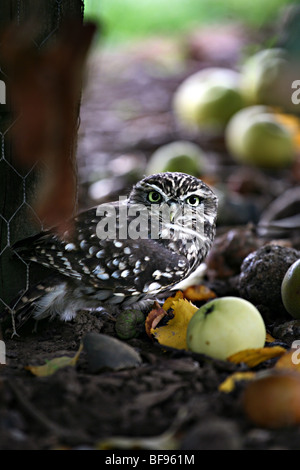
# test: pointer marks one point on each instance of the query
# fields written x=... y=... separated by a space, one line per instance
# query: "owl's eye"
x=154 y=197
x=193 y=200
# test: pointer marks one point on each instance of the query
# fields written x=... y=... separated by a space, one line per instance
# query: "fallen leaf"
x=198 y=293
x=269 y=338
x=253 y=357
x=163 y=442
x=171 y=300
x=106 y=352
x=229 y=384
x=153 y=318
x=174 y=333
x=50 y=367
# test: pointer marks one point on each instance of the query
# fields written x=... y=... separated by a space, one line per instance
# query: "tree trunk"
x=17 y=184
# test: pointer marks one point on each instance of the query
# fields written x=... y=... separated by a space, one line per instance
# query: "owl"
x=123 y=253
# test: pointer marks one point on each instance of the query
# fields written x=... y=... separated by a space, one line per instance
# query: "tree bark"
x=18 y=185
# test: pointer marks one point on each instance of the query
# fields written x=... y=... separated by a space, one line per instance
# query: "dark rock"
x=261 y=276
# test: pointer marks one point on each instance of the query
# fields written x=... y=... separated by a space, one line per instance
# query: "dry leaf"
x=170 y=300
x=174 y=333
x=153 y=318
x=199 y=293
x=253 y=357
x=104 y=352
x=269 y=338
x=164 y=442
x=229 y=384
x=50 y=367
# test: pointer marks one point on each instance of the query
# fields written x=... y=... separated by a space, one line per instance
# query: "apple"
x=181 y=156
x=271 y=400
x=225 y=326
x=267 y=77
x=290 y=290
x=207 y=99
x=255 y=136
x=260 y=74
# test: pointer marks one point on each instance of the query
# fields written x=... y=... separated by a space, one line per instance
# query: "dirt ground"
x=171 y=395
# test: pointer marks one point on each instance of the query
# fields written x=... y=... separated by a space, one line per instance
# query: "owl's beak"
x=173 y=211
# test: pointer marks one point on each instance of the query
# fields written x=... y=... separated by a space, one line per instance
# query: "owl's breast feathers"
x=98 y=261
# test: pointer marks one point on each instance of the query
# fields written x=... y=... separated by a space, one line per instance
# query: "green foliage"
x=125 y=20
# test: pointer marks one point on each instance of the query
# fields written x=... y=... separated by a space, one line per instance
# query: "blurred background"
x=127 y=20
x=204 y=87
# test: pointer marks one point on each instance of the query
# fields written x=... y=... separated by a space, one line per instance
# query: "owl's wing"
x=123 y=265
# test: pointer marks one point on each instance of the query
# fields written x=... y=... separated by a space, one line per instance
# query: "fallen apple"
x=208 y=99
x=257 y=137
x=181 y=156
x=267 y=77
x=225 y=326
x=272 y=399
x=261 y=73
x=290 y=290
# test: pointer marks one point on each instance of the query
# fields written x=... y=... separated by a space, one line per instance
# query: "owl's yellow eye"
x=154 y=197
x=193 y=200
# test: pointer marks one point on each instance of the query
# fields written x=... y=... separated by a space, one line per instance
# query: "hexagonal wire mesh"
x=18 y=219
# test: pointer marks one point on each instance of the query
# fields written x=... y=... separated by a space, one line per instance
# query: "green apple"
x=267 y=77
x=225 y=326
x=290 y=290
x=181 y=156
x=260 y=74
x=207 y=99
x=255 y=136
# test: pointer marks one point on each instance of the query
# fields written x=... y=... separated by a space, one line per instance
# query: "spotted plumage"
x=123 y=253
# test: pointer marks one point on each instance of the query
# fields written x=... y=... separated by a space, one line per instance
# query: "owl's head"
x=184 y=198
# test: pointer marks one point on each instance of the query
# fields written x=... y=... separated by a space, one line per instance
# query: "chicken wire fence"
x=18 y=219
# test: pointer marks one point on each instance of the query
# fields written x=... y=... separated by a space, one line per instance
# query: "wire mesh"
x=17 y=185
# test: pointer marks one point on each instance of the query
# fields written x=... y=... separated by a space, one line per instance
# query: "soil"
x=126 y=114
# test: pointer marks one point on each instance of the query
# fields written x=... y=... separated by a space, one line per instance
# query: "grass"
x=126 y=20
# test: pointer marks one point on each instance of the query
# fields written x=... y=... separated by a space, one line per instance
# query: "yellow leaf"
x=253 y=357
x=289 y=360
x=229 y=384
x=174 y=333
x=55 y=364
x=269 y=338
x=170 y=300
